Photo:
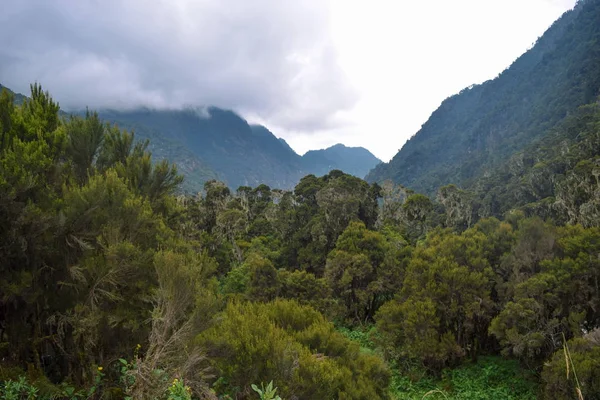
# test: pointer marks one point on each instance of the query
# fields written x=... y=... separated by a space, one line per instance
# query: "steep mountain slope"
x=483 y=125
x=240 y=155
x=556 y=176
x=214 y=143
x=356 y=161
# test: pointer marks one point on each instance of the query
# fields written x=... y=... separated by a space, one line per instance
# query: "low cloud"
x=270 y=58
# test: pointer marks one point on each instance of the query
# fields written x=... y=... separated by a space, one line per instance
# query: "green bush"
x=560 y=381
x=296 y=347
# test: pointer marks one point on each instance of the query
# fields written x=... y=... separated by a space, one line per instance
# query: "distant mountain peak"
x=356 y=161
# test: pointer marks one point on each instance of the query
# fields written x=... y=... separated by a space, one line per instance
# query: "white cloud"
x=272 y=58
x=406 y=57
x=316 y=72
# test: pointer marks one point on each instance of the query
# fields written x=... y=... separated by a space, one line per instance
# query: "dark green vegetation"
x=111 y=285
x=218 y=144
x=114 y=285
x=477 y=130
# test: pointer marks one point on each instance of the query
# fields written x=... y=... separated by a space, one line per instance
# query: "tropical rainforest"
x=117 y=283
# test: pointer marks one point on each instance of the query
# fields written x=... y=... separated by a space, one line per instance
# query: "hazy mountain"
x=19 y=98
x=481 y=127
x=213 y=143
x=239 y=154
x=356 y=161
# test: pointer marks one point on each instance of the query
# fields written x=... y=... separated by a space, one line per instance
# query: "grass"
x=360 y=335
x=492 y=377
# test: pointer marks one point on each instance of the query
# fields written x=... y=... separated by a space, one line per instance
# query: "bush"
x=296 y=348
x=560 y=381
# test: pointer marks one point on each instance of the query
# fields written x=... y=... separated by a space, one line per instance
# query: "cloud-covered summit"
x=273 y=59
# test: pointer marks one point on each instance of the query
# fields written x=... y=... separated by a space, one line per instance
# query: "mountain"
x=213 y=143
x=475 y=131
x=19 y=98
x=356 y=161
x=231 y=149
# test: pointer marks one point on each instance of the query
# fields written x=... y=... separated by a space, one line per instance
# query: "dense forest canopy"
x=114 y=286
x=466 y=268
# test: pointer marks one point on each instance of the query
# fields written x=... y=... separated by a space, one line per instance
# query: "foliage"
x=266 y=393
x=442 y=311
x=293 y=345
x=17 y=390
x=577 y=366
x=481 y=127
x=489 y=378
x=178 y=391
x=555 y=301
x=228 y=288
x=362 y=269
x=84 y=213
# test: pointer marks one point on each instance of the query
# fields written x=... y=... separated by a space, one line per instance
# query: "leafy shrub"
x=295 y=347
x=560 y=382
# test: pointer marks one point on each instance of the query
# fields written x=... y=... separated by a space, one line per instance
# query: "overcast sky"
x=315 y=72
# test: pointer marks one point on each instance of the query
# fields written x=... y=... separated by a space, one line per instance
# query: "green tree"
x=363 y=270
x=295 y=347
x=449 y=278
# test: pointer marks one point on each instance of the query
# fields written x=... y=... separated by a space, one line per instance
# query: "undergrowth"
x=490 y=378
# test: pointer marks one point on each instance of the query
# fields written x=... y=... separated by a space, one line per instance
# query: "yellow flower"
x=99 y=368
x=139 y=346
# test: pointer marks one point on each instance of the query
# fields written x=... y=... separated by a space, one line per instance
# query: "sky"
x=315 y=72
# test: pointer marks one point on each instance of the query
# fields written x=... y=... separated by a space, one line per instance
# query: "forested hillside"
x=555 y=177
x=18 y=97
x=214 y=143
x=473 y=132
x=113 y=286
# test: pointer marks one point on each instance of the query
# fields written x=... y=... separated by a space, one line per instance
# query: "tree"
x=459 y=206
x=362 y=271
x=558 y=299
x=85 y=140
x=449 y=277
x=263 y=284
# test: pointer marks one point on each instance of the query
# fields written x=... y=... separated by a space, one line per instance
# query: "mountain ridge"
x=477 y=129
x=210 y=143
x=241 y=154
